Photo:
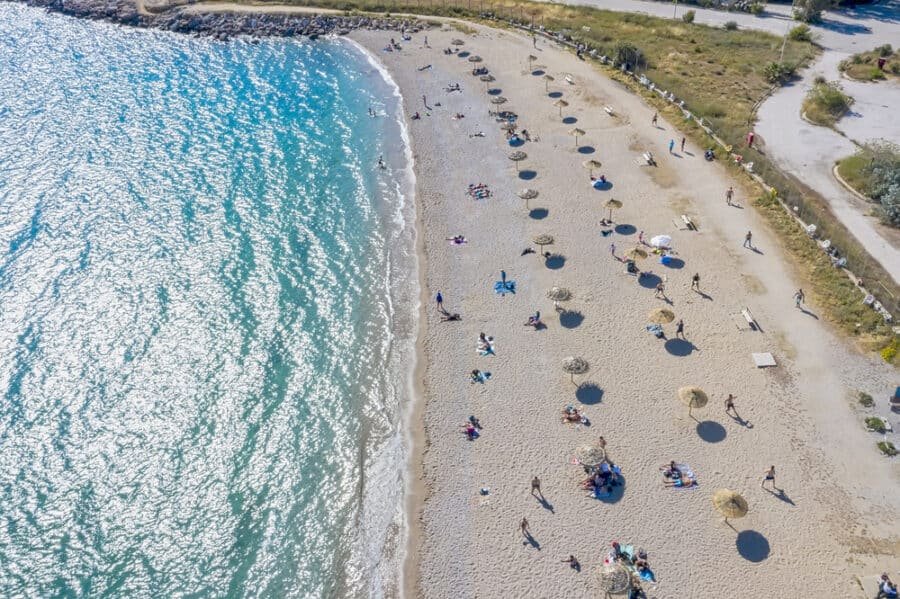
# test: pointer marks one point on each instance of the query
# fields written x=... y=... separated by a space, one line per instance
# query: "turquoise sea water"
x=206 y=312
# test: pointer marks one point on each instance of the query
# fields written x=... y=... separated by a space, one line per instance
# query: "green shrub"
x=624 y=52
x=889 y=353
x=731 y=25
x=887 y=448
x=757 y=8
x=865 y=400
x=779 y=73
x=895 y=68
x=875 y=425
x=801 y=33
x=875 y=73
x=884 y=51
x=825 y=103
x=819 y=80
x=688 y=17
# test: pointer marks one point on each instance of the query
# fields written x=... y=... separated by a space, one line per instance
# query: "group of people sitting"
x=471 y=428
x=485 y=345
x=636 y=561
x=571 y=414
x=602 y=478
x=479 y=376
x=479 y=192
x=674 y=476
x=451 y=50
x=453 y=87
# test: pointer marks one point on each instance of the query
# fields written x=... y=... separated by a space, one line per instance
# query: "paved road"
x=805 y=150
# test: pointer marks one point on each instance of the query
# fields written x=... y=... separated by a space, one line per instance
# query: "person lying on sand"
x=450 y=317
x=470 y=431
x=477 y=134
x=458 y=116
x=457 y=239
x=686 y=481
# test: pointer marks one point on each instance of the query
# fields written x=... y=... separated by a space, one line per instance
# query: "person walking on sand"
x=653 y=120
x=748 y=240
x=682 y=144
x=729 y=405
x=601 y=442
x=612 y=250
x=679 y=329
x=573 y=563
x=695 y=281
x=799 y=298
x=641 y=237
x=439 y=299
x=660 y=290
x=750 y=137
x=729 y=195
x=523 y=526
x=770 y=476
x=536 y=487
x=671 y=145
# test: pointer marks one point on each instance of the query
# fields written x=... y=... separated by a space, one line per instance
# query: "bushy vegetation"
x=731 y=25
x=874 y=171
x=887 y=448
x=865 y=65
x=826 y=102
x=865 y=400
x=757 y=8
x=801 y=33
x=875 y=424
x=688 y=17
x=777 y=72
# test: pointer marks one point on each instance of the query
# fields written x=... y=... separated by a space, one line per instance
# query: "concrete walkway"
x=805 y=150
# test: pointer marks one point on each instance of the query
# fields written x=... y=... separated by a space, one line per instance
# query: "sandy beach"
x=834 y=515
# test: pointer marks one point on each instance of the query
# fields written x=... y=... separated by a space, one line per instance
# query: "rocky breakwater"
x=225 y=24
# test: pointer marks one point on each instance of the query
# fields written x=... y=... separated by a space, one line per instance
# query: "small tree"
x=810 y=11
x=626 y=53
x=688 y=17
x=731 y=25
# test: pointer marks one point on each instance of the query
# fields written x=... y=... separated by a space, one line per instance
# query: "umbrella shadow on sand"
x=527 y=175
x=649 y=280
x=555 y=261
x=586 y=149
x=537 y=72
x=570 y=120
x=589 y=394
x=625 y=229
x=615 y=493
x=571 y=319
x=680 y=347
x=555 y=95
x=711 y=431
x=539 y=213
x=753 y=546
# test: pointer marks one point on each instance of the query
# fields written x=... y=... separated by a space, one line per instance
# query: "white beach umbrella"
x=661 y=241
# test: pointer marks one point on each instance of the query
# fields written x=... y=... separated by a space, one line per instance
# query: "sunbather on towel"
x=684 y=481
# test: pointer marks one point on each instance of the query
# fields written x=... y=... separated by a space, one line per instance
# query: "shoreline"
x=522 y=432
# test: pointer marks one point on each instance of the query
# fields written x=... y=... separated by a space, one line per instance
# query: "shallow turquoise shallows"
x=206 y=315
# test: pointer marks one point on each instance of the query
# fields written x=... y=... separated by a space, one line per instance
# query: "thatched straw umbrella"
x=576 y=133
x=474 y=58
x=457 y=42
x=575 y=366
x=498 y=100
x=661 y=316
x=508 y=126
x=591 y=164
x=612 y=204
x=547 y=80
x=562 y=104
x=615 y=579
x=559 y=294
x=517 y=157
x=528 y=194
x=531 y=59
x=636 y=254
x=542 y=240
x=693 y=397
x=730 y=504
x=590 y=455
